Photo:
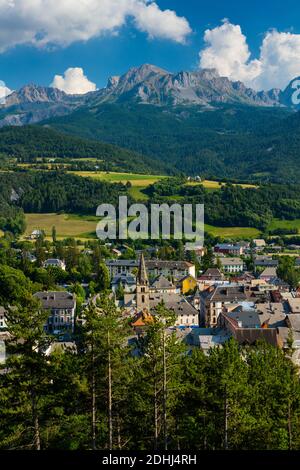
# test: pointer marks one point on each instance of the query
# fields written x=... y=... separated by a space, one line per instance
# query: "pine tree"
x=106 y=358
x=27 y=379
x=159 y=382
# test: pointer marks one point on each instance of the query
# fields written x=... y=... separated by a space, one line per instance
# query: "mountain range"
x=193 y=122
x=147 y=84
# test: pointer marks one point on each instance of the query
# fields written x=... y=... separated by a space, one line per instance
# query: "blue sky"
x=129 y=45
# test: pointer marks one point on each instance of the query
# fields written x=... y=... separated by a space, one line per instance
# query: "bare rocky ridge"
x=147 y=84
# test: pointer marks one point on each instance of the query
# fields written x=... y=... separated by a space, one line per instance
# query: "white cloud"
x=280 y=60
x=73 y=82
x=4 y=92
x=157 y=23
x=48 y=22
x=227 y=50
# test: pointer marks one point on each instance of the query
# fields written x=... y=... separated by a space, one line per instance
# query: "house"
x=268 y=274
x=128 y=283
x=229 y=249
x=174 y=269
x=120 y=266
x=162 y=285
x=61 y=306
x=259 y=242
x=188 y=284
x=36 y=234
x=186 y=314
x=216 y=298
x=3 y=324
x=232 y=265
x=212 y=274
x=265 y=262
x=198 y=250
x=56 y=263
x=211 y=277
x=245 y=278
x=272 y=314
x=244 y=327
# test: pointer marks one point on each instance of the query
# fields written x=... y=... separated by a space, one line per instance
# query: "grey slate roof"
x=161 y=282
x=174 y=302
x=246 y=318
x=56 y=300
x=227 y=294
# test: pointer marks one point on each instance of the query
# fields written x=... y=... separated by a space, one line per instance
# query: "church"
x=148 y=295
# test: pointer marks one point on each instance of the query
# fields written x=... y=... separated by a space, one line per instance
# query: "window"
x=143 y=299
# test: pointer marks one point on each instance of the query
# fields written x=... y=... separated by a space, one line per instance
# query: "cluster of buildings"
x=223 y=302
x=219 y=304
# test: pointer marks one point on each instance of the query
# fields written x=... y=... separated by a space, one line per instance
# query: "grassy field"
x=137 y=180
x=66 y=225
x=84 y=227
x=232 y=232
x=210 y=184
x=286 y=224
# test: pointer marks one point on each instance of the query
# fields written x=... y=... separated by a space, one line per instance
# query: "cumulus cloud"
x=226 y=50
x=4 y=92
x=279 y=59
x=51 y=22
x=157 y=23
x=73 y=82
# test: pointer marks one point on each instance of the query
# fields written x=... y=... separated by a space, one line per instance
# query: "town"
x=234 y=298
x=240 y=294
x=149 y=233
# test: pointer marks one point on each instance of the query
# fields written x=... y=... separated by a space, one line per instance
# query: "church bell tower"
x=142 y=287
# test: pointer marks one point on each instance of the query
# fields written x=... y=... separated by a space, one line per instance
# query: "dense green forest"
x=42 y=192
x=35 y=191
x=31 y=142
x=233 y=205
x=224 y=141
x=108 y=394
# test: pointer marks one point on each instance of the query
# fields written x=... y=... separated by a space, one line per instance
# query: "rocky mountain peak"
x=35 y=94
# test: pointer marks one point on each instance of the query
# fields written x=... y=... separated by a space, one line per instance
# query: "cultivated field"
x=210 y=184
x=84 y=227
x=232 y=232
x=285 y=224
x=137 y=180
x=66 y=225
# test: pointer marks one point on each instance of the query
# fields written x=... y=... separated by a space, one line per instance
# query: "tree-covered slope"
x=30 y=142
x=234 y=142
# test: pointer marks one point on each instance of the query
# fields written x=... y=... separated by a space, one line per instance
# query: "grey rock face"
x=147 y=84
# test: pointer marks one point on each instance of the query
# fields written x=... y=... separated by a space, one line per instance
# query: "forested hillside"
x=242 y=142
x=30 y=142
x=233 y=205
x=44 y=192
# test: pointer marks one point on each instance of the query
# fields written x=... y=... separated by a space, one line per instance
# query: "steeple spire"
x=142 y=276
x=142 y=287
